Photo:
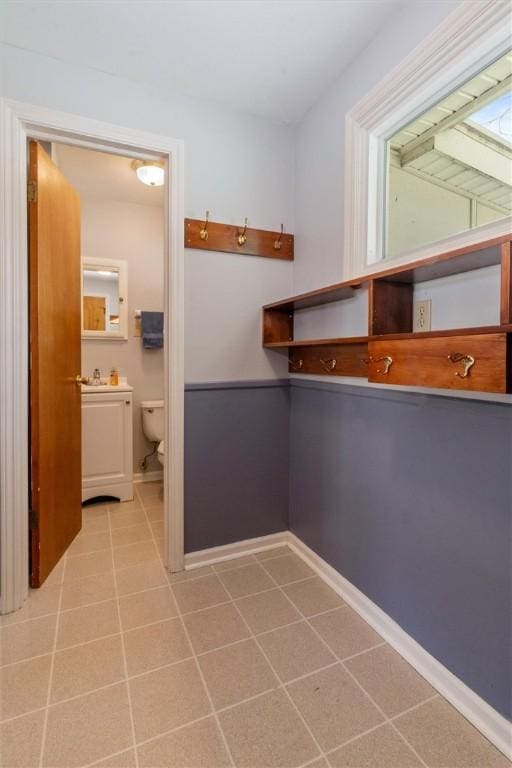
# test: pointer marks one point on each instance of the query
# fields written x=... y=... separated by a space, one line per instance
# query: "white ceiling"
x=103 y=176
x=273 y=58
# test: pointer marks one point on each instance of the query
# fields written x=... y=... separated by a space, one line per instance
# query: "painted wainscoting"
x=236 y=461
x=409 y=497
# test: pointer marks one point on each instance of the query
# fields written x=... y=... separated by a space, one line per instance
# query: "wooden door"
x=55 y=362
x=95 y=312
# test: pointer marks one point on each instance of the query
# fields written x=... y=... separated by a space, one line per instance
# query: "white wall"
x=319 y=189
x=236 y=165
x=320 y=144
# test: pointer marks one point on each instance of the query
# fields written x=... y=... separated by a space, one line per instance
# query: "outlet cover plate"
x=422 y=311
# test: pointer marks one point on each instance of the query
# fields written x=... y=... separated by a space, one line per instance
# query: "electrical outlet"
x=421 y=313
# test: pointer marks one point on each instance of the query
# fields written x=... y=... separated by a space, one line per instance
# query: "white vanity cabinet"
x=107 y=442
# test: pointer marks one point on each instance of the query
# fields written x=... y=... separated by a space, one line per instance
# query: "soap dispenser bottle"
x=114 y=377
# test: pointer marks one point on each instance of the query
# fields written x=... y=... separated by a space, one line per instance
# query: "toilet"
x=153 y=424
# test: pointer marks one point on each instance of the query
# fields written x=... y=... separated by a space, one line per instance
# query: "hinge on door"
x=32 y=191
x=33 y=520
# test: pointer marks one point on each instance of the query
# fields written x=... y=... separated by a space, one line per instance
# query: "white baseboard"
x=148 y=477
x=230 y=551
x=490 y=723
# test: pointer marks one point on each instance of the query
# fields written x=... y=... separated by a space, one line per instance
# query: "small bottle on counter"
x=96 y=377
x=114 y=377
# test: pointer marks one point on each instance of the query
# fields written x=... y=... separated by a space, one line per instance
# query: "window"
x=450 y=169
x=451 y=97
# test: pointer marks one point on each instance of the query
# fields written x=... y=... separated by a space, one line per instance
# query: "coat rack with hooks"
x=207 y=235
x=460 y=358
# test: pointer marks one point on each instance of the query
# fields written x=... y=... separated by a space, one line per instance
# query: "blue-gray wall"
x=236 y=461
x=409 y=497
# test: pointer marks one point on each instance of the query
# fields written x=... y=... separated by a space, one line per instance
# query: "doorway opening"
x=96 y=240
x=27 y=122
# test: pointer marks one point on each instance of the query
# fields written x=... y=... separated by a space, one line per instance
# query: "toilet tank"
x=153 y=419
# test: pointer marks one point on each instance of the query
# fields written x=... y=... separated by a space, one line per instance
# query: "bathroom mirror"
x=104 y=299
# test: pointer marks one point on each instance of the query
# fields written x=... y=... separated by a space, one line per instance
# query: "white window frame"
x=18 y=122
x=468 y=40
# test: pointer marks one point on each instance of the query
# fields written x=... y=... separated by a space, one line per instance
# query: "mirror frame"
x=121 y=267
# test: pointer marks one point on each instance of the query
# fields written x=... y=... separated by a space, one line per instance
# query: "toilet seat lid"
x=160 y=448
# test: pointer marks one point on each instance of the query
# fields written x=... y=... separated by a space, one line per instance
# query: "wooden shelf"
x=317 y=342
x=340 y=341
x=485 y=254
x=476 y=331
x=433 y=356
x=316 y=298
x=480 y=256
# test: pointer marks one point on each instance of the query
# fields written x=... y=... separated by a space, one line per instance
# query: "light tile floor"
x=252 y=663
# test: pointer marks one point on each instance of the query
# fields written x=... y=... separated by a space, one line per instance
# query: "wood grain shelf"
x=479 y=256
x=413 y=358
x=468 y=259
x=317 y=342
x=477 y=330
x=339 y=341
x=327 y=295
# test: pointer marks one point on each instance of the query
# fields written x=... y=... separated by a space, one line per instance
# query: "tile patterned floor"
x=252 y=663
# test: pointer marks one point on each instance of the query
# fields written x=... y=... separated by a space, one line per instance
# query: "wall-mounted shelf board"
x=224 y=238
x=478 y=358
x=468 y=363
x=479 y=256
x=316 y=298
x=486 y=254
x=317 y=342
x=480 y=330
x=331 y=359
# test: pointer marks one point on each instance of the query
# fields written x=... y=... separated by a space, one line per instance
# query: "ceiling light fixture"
x=150 y=172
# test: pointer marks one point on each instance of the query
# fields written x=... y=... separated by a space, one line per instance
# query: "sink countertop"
x=93 y=388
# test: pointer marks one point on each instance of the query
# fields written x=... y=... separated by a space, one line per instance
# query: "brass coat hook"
x=296 y=365
x=242 y=236
x=387 y=360
x=203 y=233
x=467 y=361
x=277 y=243
x=329 y=365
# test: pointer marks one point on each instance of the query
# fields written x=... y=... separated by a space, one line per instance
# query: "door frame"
x=19 y=121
